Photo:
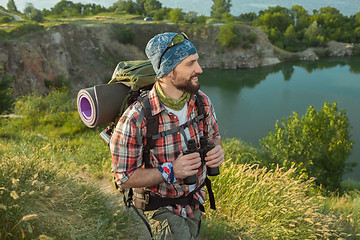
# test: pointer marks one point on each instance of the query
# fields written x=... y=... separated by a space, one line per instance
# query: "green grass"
x=50 y=163
x=41 y=197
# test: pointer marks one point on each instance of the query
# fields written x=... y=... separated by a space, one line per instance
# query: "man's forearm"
x=143 y=177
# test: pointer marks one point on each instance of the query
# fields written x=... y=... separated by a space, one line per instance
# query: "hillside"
x=87 y=53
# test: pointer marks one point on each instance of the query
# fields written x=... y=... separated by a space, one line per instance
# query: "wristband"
x=167 y=172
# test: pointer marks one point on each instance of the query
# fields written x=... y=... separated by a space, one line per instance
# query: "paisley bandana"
x=172 y=57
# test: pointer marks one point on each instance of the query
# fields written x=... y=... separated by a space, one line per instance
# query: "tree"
x=312 y=35
x=176 y=15
x=191 y=17
x=161 y=14
x=300 y=16
x=220 y=7
x=290 y=39
x=151 y=5
x=11 y=6
x=318 y=144
x=275 y=17
x=32 y=13
x=127 y=6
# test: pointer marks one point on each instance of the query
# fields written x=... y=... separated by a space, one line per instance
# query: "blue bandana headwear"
x=172 y=57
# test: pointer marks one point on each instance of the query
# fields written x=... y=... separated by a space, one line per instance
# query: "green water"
x=248 y=102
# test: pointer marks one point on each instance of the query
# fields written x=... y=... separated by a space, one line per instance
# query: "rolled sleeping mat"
x=101 y=104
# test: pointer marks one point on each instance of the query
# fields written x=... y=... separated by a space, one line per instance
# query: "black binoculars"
x=205 y=147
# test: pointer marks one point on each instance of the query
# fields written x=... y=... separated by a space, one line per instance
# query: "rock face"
x=86 y=55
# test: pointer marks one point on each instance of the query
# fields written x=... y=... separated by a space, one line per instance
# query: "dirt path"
x=137 y=228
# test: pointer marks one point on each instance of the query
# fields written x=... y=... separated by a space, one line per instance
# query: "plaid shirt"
x=127 y=151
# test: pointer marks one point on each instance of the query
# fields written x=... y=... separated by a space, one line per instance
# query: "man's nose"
x=198 y=69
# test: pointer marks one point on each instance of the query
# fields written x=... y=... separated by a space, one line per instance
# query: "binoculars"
x=205 y=147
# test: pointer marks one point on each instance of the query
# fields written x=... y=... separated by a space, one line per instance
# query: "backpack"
x=139 y=77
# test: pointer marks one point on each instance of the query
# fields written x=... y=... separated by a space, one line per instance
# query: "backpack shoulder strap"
x=152 y=123
x=152 y=128
x=200 y=104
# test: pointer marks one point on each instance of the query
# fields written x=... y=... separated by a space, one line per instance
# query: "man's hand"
x=215 y=157
x=186 y=165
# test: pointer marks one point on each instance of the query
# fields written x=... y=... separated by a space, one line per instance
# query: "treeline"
x=295 y=29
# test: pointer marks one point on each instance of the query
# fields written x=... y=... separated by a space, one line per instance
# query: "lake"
x=248 y=102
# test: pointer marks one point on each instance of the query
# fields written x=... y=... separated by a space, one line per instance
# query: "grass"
x=42 y=195
x=258 y=204
x=49 y=161
x=43 y=154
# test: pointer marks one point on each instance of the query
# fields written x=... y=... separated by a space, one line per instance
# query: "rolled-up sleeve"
x=125 y=150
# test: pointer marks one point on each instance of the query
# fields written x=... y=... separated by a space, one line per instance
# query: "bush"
x=24 y=29
x=252 y=37
x=6 y=94
x=54 y=114
x=125 y=35
x=317 y=143
x=229 y=36
x=5 y=19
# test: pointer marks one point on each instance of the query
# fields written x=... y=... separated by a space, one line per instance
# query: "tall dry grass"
x=254 y=203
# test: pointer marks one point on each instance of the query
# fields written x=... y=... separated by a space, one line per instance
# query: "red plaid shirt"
x=127 y=151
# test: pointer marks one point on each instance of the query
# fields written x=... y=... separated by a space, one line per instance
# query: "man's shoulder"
x=133 y=112
x=204 y=97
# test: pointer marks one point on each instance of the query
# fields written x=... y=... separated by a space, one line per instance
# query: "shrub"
x=54 y=114
x=240 y=152
x=125 y=35
x=318 y=144
x=229 y=36
x=5 y=19
x=6 y=94
x=252 y=37
x=24 y=29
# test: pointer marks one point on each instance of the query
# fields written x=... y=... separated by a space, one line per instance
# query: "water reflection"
x=235 y=80
x=248 y=102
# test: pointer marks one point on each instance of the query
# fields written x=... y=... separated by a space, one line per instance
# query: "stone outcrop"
x=85 y=55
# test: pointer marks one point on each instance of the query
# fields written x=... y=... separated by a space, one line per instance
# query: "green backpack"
x=137 y=75
x=129 y=80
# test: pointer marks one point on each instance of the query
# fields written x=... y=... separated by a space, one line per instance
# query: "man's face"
x=185 y=75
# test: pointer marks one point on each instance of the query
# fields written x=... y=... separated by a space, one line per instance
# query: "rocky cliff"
x=86 y=55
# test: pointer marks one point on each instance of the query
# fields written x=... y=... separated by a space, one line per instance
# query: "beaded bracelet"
x=167 y=172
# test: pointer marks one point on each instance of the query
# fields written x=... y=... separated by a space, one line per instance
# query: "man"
x=173 y=97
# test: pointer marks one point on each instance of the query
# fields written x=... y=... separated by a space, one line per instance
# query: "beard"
x=185 y=84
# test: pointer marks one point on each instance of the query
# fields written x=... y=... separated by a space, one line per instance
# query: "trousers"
x=167 y=225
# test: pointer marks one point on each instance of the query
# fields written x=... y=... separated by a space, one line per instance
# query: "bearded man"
x=172 y=101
